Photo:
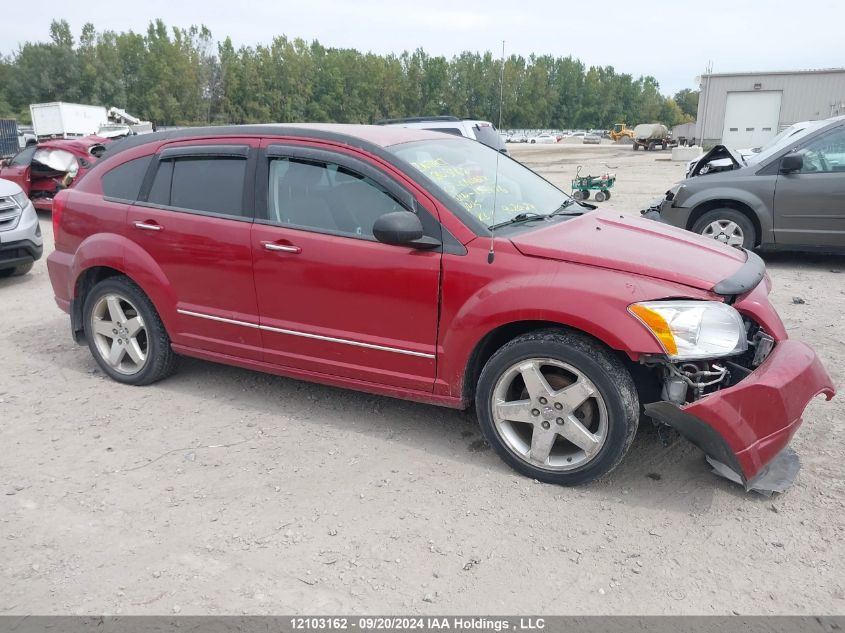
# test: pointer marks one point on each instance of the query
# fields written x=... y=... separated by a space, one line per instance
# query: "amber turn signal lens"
x=658 y=326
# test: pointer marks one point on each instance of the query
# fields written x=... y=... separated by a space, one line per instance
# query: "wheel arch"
x=103 y=257
x=727 y=203
x=506 y=332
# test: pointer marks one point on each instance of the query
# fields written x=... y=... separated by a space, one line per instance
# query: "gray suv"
x=21 y=243
x=790 y=196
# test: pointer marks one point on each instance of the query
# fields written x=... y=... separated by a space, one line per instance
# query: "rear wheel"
x=557 y=407
x=125 y=334
x=634 y=147
x=600 y=197
x=607 y=195
x=727 y=226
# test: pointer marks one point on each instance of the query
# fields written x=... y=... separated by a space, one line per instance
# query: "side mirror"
x=402 y=228
x=791 y=162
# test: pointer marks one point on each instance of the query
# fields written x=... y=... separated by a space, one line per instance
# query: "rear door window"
x=214 y=185
x=206 y=184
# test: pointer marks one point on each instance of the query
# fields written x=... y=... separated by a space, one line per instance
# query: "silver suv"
x=481 y=131
x=21 y=243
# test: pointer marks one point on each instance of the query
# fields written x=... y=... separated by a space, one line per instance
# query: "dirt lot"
x=226 y=491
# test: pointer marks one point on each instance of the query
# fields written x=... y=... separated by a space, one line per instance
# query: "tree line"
x=179 y=76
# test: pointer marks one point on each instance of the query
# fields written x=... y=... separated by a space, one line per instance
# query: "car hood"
x=9 y=188
x=634 y=245
x=719 y=159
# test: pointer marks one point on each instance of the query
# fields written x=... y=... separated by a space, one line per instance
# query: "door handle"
x=284 y=248
x=148 y=226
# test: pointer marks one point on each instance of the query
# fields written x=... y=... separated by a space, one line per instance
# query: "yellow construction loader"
x=621 y=130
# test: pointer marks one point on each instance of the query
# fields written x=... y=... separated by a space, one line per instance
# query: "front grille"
x=10 y=214
x=12 y=253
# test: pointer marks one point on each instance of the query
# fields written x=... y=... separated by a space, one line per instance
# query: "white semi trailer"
x=66 y=120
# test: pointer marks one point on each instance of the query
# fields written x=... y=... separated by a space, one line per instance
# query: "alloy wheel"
x=120 y=335
x=549 y=414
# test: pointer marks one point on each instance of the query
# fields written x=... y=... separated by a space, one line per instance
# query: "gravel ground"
x=221 y=490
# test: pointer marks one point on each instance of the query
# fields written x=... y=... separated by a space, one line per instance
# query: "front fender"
x=590 y=299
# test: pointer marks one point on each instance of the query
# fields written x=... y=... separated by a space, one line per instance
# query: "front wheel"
x=557 y=407
x=600 y=196
x=727 y=226
x=125 y=333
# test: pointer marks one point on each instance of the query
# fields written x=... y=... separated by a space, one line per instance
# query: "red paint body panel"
x=758 y=416
x=349 y=289
x=431 y=309
x=634 y=245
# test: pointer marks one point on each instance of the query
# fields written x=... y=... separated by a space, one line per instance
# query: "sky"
x=672 y=40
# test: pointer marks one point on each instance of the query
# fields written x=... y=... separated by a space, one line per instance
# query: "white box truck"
x=66 y=120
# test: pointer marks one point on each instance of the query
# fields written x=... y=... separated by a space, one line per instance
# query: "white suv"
x=21 y=243
x=482 y=131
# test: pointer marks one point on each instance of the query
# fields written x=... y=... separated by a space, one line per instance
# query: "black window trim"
x=234 y=150
x=400 y=193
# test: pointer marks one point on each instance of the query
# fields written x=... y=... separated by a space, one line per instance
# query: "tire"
x=728 y=226
x=119 y=302
x=17 y=271
x=585 y=195
x=600 y=196
x=608 y=416
x=607 y=195
x=634 y=147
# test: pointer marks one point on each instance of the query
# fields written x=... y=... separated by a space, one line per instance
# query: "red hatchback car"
x=424 y=266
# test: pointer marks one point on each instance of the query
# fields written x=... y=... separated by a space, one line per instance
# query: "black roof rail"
x=416 y=119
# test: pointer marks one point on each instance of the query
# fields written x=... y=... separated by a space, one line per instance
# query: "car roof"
x=369 y=137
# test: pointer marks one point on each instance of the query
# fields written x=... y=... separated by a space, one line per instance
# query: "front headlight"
x=691 y=330
x=21 y=200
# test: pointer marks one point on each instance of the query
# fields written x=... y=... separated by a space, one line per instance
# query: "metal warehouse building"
x=747 y=109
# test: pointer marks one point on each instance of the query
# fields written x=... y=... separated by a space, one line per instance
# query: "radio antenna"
x=492 y=255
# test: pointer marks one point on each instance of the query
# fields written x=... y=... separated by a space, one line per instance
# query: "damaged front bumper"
x=747 y=425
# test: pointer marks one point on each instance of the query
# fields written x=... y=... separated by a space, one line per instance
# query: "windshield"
x=792 y=134
x=466 y=172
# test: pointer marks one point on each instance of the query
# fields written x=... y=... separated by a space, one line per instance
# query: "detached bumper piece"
x=777 y=476
x=746 y=428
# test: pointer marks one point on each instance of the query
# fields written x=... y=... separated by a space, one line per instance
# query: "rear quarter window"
x=124 y=181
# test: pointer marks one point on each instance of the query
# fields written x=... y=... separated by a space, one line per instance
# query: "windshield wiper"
x=525 y=216
x=564 y=206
